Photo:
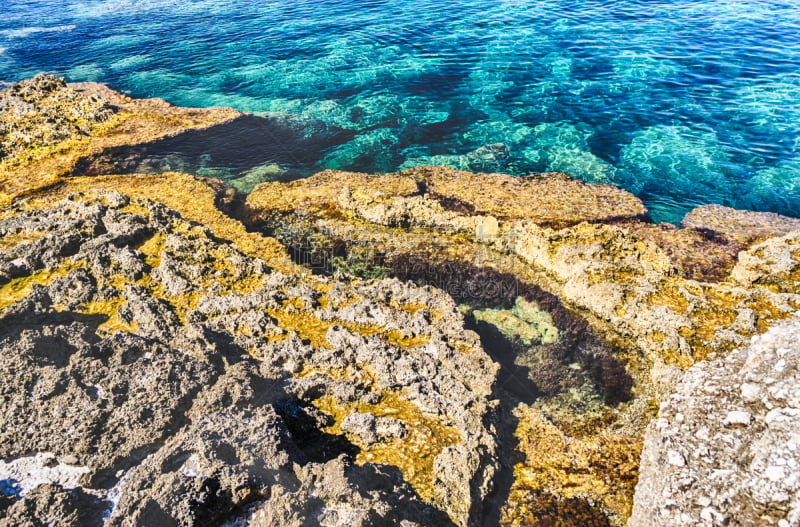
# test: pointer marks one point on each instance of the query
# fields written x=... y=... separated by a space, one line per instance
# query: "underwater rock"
x=676 y=161
x=370 y=144
x=524 y=321
x=563 y=147
x=488 y=158
x=259 y=174
x=775 y=188
x=724 y=449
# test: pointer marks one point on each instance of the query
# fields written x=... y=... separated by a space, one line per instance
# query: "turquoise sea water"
x=683 y=102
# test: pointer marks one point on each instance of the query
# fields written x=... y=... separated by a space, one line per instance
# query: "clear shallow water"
x=683 y=102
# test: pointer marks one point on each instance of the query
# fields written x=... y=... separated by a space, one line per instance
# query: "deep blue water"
x=683 y=102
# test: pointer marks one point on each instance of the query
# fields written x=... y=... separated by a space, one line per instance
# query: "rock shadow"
x=261 y=148
x=305 y=423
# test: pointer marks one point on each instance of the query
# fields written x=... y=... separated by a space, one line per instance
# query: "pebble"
x=675 y=458
x=738 y=417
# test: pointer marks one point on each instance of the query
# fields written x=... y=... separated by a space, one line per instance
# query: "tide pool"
x=683 y=102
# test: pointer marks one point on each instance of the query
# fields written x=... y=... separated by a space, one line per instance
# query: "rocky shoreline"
x=429 y=347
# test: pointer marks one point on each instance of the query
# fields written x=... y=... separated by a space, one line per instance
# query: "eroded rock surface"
x=42 y=111
x=190 y=384
x=725 y=449
x=47 y=127
x=654 y=299
x=676 y=294
x=168 y=372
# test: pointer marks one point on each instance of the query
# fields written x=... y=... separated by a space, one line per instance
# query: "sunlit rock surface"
x=42 y=112
x=80 y=120
x=191 y=380
x=180 y=352
x=725 y=449
x=650 y=300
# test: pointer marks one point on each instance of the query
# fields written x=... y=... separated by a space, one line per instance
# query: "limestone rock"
x=43 y=111
x=725 y=449
x=191 y=384
x=738 y=225
x=371 y=429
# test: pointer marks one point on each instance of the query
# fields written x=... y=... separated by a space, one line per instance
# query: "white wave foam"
x=28 y=31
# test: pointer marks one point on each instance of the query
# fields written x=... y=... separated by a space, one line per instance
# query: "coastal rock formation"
x=42 y=112
x=48 y=127
x=188 y=383
x=430 y=347
x=725 y=448
x=652 y=299
x=677 y=294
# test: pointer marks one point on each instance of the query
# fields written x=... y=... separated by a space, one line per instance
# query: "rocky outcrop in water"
x=650 y=300
x=725 y=449
x=47 y=127
x=677 y=294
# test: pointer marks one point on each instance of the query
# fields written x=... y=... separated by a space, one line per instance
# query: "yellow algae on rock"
x=601 y=469
x=18 y=288
x=413 y=454
x=308 y=327
x=110 y=310
x=115 y=120
x=10 y=241
x=171 y=189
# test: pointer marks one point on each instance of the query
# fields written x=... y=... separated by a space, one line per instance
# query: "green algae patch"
x=414 y=454
x=412 y=308
x=525 y=321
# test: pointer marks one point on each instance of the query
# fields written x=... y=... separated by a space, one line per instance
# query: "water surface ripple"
x=683 y=102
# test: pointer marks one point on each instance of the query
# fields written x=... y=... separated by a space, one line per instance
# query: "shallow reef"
x=426 y=347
